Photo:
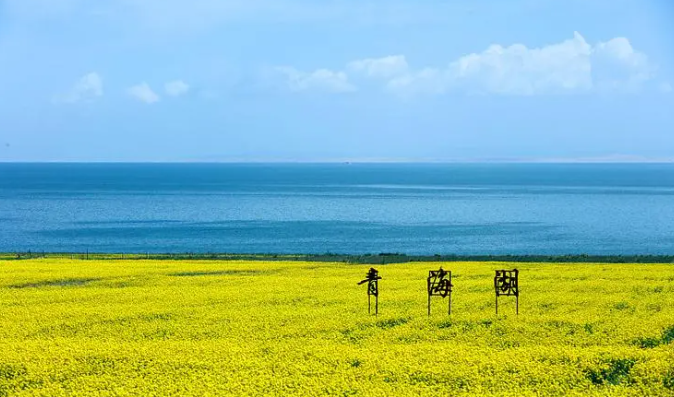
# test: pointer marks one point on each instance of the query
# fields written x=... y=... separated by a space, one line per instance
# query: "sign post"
x=372 y=279
x=439 y=283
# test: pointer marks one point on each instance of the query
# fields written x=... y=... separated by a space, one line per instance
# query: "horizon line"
x=355 y=161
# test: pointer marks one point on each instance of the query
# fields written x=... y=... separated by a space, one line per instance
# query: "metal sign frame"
x=372 y=279
x=439 y=283
x=506 y=283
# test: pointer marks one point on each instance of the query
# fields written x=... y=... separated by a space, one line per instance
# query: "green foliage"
x=668 y=335
x=647 y=343
x=650 y=342
x=614 y=373
x=392 y=322
x=382 y=258
x=668 y=380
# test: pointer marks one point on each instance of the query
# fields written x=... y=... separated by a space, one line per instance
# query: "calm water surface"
x=339 y=208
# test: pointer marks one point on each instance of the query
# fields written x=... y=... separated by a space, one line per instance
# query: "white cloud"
x=512 y=70
x=143 y=93
x=518 y=70
x=571 y=66
x=616 y=65
x=176 y=88
x=386 y=67
x=318 y=80
x=88 y=88
x=666 y=88
x=425 y=81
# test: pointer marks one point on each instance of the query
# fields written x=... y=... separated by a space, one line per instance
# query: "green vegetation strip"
x=382 y=258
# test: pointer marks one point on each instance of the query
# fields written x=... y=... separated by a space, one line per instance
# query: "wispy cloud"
x=386 y=67
x=199 y=14
x=39 y=9
x=176 y=88
x=143 y=92
x=318 y=80
x=88 y=88
x=179 y=16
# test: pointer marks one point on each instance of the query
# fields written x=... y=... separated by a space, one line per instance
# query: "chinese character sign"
x=439 y=283
x=372 y=279
x=506 y=283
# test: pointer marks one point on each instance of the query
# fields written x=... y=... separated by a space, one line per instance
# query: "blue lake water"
x=339 y=208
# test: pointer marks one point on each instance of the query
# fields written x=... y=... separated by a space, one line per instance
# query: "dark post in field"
x=372 y=279
x=506 y=283
x=439 y=283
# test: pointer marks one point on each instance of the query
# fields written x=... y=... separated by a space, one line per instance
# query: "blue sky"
x=299 y=80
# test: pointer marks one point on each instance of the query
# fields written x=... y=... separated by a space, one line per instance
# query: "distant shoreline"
x=382 y=258
x=532 y=161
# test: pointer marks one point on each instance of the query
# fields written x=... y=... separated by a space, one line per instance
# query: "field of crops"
x=157 y=328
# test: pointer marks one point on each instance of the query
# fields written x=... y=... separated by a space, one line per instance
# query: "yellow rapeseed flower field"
x=197 y=328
